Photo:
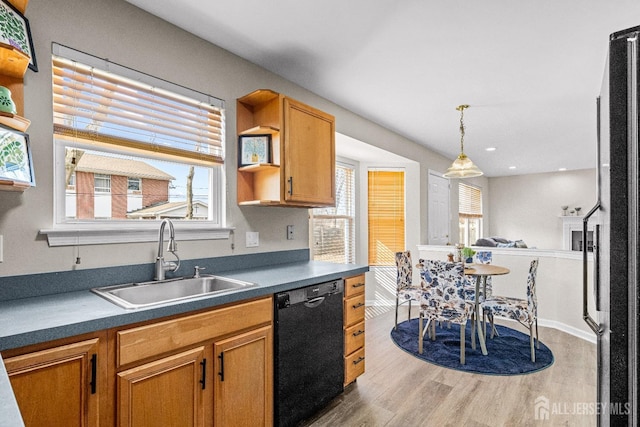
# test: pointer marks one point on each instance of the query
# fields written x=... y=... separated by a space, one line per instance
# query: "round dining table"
x=481 y=272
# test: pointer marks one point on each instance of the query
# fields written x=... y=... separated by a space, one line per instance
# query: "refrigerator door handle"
x=596 y=261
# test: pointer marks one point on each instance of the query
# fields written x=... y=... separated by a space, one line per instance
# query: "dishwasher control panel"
x=296 y=296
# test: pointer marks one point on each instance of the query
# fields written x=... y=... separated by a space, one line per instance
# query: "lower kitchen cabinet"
x=212 y=368
x=354 y=328
x=243 y=394
x=60 y=385
x=171 y=391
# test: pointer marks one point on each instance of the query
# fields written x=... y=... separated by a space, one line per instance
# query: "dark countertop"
x=44 y=318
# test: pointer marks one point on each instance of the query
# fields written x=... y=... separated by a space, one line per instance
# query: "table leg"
x=483 y=345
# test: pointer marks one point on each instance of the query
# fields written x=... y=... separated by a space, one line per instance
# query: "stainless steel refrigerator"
x=616 y=248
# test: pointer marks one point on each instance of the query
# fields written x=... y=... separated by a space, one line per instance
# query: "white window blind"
x=333 y=228
x=386 y=216
x=469 y=201
x=104 y=103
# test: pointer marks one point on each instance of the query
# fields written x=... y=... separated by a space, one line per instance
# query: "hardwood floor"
x=398 y=389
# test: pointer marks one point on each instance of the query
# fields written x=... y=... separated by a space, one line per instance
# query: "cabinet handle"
x=94 y=373
x=360 y=304
x=290 y=185
x=357 y=285
x=360 y=359
x=359 y=332
x=221 y=373
x=203 y=380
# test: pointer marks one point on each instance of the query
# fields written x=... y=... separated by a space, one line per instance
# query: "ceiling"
x=529 y=70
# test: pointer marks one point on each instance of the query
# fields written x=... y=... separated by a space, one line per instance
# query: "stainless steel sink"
x=137 y=295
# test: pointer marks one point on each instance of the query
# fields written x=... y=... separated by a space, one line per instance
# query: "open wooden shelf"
x=257 y=167
x=261 y=130
x=14 y=62
x=9 y=185
x=14 y=121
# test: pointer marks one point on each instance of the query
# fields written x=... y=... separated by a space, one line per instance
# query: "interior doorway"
x=439 y=221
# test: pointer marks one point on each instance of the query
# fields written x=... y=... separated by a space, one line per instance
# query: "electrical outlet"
x=289 y=232
x=253 y=239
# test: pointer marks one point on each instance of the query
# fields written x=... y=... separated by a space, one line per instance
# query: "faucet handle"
x=197 y=269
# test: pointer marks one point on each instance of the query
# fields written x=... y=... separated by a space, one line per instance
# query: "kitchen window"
x=386 y=207
x=132 y=149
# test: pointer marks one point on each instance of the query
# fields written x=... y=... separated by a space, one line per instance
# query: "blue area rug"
x=508 y=354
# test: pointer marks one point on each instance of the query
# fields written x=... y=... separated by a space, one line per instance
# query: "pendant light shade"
x=462 y=167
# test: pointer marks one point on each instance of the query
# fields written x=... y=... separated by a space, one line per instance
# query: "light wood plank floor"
x=398 y=389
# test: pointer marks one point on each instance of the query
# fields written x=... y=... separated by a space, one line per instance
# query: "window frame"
x=465 y=219
x=74 y=232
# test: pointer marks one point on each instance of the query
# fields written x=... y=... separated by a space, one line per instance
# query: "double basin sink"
x=145 y=294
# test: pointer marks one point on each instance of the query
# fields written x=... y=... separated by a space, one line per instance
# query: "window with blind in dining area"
x=469 y=213
x=386 y=215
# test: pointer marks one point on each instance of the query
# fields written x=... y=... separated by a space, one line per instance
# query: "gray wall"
x=527 y=207
x=120 y=32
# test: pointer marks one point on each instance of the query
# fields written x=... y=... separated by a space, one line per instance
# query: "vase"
x=6 y=103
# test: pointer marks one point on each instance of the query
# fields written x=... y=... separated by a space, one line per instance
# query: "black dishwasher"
x=309 y=351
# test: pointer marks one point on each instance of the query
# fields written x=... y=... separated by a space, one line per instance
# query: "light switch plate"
x=253 y=239
x=1 y=248
x=289 y=232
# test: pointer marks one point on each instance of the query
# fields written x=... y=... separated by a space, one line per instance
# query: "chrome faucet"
x=161 y=264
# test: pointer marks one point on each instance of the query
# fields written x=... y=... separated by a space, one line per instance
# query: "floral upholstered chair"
x=405 y=291
x=524 y=311
x=443 y=299
x=484 y=257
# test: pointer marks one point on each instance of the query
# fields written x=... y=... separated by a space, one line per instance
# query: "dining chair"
x=405 y=290
x=443 y=299
x=484 y=257
x=525 y=311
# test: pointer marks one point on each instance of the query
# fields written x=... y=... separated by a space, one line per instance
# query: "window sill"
x=81 y=234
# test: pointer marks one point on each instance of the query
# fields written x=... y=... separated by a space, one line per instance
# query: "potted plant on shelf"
x=467 y=254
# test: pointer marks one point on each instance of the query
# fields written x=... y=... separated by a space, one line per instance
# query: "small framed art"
x=15 y=31
x=253 y=149
x=16 y=163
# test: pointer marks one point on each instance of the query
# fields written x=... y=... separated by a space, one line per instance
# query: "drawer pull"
x=360 y=359
x=360 y=332
x=357 y=285
x=360 y=304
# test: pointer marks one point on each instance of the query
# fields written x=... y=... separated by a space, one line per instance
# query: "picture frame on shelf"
x=15 y=31
x=16 y=161
x=254 y=149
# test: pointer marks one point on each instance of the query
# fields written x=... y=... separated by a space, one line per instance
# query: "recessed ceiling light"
x=490 y=149
x=512 y=167
x=562 y=169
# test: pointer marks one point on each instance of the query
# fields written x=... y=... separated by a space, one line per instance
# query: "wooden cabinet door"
x=58 y=386
x=243 y=394
x=169 y=392
x=309 y=155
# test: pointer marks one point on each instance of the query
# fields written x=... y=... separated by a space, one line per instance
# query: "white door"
x=438 y=209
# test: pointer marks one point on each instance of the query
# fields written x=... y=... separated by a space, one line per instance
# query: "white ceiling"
x=530 y=70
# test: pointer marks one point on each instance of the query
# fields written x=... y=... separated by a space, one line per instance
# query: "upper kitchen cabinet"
x=298 y=166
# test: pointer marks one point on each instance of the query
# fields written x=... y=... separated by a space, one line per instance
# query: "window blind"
x=386 y=216
x=91 y=104
x=334 y=227
x=469 y=201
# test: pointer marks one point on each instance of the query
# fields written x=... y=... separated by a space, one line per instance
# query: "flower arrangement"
x=468 y=253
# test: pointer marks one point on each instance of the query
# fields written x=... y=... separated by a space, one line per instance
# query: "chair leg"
x=463 y=326
x=396 y=327
x=409 y=316
x=533 y=348
x=433 y=331
x=473 y=331
x=493 y=328
x=420 y=334
x=537 y=339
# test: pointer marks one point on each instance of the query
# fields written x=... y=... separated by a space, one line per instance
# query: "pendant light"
x=462 y=167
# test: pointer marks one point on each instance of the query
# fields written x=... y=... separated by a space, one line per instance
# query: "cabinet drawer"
x=353 y=338
x=354 y=310
x=353 y=285
x=157 y=338
x=353 y=366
